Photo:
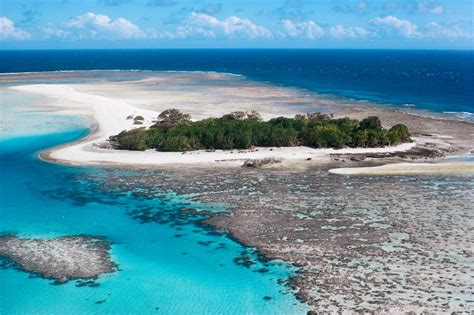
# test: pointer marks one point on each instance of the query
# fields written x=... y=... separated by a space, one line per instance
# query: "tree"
x=254 y=115
x=318 y=116
x=398 y=134
x=372 y=122
x=178 y=143
x=239 y=115
x=242 y=130
x=360 y=138
x=131 y=140
x=376 y=138
x=327 y=135
x=172 y=117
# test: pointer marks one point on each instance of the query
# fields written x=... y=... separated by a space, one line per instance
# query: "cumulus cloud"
x=394 y=26
x=307 y=29
x=99 y=26
x=9 y=31
x=442 y=31
x=311 y=30
x=204 y=25
x=342 y=32
x=428 y=7
x=52 y=32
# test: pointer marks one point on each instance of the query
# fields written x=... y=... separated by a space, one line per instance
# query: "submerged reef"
x=362 y=244
x=396 y=244
x=60 y=259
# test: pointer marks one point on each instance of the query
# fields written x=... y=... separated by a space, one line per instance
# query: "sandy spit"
x=461 y=168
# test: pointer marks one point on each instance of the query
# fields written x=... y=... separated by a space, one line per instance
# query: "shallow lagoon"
x=167 y=267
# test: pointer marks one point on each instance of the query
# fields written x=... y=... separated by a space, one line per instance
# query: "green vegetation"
x=174 y=131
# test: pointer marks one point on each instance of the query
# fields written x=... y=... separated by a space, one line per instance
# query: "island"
x=174 y=131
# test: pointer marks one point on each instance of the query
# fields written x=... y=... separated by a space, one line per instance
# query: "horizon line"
x=237 y=48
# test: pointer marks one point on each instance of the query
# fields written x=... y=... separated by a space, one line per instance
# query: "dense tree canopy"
x=175 y=131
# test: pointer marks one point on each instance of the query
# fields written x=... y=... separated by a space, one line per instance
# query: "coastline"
x=108 y=116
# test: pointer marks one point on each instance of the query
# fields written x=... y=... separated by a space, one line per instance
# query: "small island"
x=174 y=131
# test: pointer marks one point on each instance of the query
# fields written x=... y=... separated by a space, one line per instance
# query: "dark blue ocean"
x=439 y=81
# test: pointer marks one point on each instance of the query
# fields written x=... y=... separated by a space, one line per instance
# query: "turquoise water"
x=19 y=118
x=172 y=267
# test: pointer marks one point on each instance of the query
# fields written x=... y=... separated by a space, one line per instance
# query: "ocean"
x=178 y=266
x=437 y=81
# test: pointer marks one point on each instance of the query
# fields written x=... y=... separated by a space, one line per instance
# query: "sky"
x=397 y=24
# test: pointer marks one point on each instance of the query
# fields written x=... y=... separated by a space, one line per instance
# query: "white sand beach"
x=460 y=168
x=110 y=115
x=108 y=104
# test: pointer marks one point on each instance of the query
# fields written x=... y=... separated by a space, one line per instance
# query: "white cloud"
x=441 y=31
x=51 y=32
x=9 y=31
x=204 y=25
x=424 y=6
x=394 y=26
x=307 y=29
x=341 y=32
x=100 y=26
x=311 y=30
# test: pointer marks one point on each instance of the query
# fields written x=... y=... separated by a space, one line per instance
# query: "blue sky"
x=411 y=24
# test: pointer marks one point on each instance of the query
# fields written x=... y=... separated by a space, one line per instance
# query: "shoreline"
x=87 y=151
x=108 y=117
